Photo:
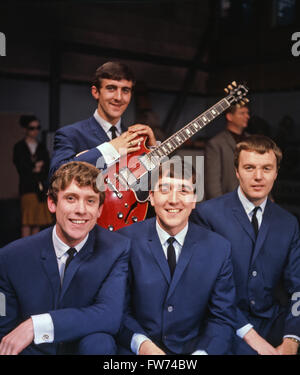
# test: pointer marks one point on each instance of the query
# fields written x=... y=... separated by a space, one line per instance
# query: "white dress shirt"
x=42 y=324
x=137 y=338
x=109 y=153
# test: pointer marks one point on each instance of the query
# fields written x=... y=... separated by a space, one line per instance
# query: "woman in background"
x=31 y=159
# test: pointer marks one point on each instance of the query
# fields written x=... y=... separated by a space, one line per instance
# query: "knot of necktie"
x=113 y=131
x=71 y=252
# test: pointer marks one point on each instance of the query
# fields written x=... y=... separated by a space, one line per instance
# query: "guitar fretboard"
x=182 y=135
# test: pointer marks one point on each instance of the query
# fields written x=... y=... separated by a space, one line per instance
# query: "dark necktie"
x=71 y=252
x=171 y=255
x=113 y=131
x=254 y=220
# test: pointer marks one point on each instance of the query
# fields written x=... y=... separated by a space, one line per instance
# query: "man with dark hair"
x=65 y=286
x=219 y=170
x=103 y=134
x=180 y=297
x=265 y=250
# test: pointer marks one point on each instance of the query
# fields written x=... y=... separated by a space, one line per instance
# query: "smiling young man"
x=265 y=249
x=65 y=286
x=180 y=297
x=102 y=138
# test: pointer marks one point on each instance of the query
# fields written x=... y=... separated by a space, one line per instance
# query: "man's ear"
x=151 y=198
x=95 y=92
x=51 y=205
x=100 y=210
x=229 y=116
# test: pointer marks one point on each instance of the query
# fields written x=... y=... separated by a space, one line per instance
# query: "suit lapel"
x=263 y=230
x=49 y=263
x=241 y=216
x=97 y=130
x=185 y=256
x=157 y=251
x=83 y=254
x=230 y=140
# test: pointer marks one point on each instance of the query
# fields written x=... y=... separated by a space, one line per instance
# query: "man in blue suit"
x=181 y=291
x=65 y=286
x=265 y=249
x=101 y=139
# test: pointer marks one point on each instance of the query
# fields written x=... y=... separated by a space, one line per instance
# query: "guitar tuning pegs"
x=234 y=84
x=230 y=87
x=242 y=102
x=238 y=105
x=226 y=90
x=246 y=100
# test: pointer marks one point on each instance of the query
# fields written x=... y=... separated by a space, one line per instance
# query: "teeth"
x=173 y=211
x=78 y=221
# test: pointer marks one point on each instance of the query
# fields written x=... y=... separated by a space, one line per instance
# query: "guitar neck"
x=188 y=131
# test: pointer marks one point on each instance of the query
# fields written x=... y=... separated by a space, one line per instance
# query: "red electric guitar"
x=126 y=182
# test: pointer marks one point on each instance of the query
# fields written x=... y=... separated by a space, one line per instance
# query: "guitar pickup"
x=149 y=163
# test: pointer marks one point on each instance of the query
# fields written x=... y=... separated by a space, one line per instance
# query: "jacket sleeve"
x=65 y=150
x=292 y=283
x=104 y=315
x=221 y=324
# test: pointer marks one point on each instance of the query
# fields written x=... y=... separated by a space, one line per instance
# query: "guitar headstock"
x=237 y=94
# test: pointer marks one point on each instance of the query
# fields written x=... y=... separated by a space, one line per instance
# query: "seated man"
x=265 y=249
x=181 y=291
x=64 y=287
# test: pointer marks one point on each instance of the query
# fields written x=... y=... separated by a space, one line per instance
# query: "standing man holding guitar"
x=103 y=134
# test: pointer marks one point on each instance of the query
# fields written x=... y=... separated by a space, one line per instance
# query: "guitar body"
x=124 y=206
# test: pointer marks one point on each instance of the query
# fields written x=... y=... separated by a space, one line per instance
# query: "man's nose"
x=258 y=174
x=118 y=94
x=81 y=207
x=173 y=196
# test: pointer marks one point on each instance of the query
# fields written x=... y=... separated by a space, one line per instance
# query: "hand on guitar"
x=145 y=130
x=130 y=141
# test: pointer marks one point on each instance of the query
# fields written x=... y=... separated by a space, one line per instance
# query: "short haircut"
x=260 y=144
x=25 y=120
x=84 y=174
x=112 y=70
x=176 y=167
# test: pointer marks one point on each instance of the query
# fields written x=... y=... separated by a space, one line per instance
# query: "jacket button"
x=170 y=308
x=254 y=273
x=252 y=302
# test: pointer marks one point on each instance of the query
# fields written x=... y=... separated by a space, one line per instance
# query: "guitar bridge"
x=113 y=188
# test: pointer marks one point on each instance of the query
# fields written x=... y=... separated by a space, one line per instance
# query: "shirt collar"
x=249 y=206
x=164 y=236
x=105 y=124
x=61 y=248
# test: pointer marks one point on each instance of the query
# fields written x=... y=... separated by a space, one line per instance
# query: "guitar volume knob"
x=120 y=215
x=134 y=219
x=110 y=228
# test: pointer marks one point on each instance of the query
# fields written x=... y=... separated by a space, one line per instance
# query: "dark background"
x=183 y=53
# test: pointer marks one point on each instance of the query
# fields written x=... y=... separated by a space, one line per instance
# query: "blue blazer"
x=73 y=139
x=90 y=299
x=193 y=310
x=258 y=265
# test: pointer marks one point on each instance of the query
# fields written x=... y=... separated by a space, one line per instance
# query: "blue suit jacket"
x=193 y=310
x=258 y=266
x=73 y=139
x=91 y=298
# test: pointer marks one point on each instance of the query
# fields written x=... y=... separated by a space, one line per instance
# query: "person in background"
x=219 y=169
x=31 y=159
